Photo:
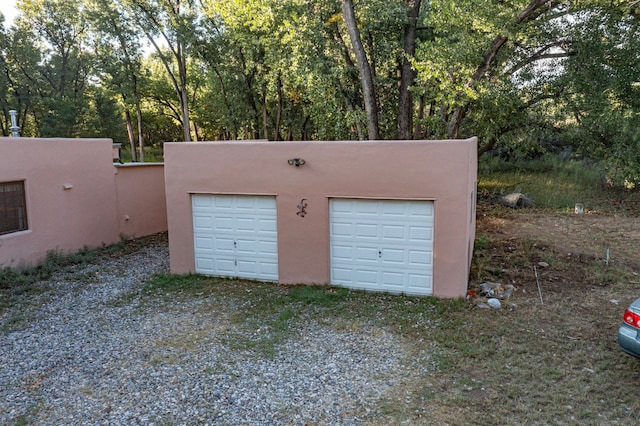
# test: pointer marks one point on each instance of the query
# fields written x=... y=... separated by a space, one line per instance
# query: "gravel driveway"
x=93 y=349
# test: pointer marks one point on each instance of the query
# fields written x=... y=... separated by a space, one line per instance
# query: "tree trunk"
x=140 y=134
x=183 y=95
x=132 y=142
x=265 y=115
x=407 y=73
x=366 y=77
x=352 y=110
x=277 y=135
x=421 y=107
x=304 y=136
x=227 y=104
x=136 y=98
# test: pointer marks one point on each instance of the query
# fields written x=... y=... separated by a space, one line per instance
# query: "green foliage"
x=526 y=81
x=54 y=261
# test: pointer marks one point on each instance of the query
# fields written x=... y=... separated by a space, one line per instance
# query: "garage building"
x=394 y=216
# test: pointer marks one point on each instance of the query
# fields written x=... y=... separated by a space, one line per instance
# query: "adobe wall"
x=76 y=197
x=442 y=171
x=70 y=196
x=141 y=201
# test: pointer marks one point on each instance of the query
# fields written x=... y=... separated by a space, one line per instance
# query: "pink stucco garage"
x=395 y=216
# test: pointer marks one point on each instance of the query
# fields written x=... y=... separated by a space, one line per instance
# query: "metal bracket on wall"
x=302 y=208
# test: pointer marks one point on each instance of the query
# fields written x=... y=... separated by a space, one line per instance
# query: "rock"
x=543 y=264
x=494 y=303
x=508 y=291
x=516 y=200
x=489 y=288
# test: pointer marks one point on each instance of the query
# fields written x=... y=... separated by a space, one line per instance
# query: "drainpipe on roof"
x=15 y=129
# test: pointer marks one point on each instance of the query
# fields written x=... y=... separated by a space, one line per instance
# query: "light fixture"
x=296 y=162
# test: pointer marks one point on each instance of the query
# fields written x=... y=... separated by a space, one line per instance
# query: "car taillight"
x=632 y=318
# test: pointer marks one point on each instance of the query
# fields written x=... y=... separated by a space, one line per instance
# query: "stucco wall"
x=442 y=171
x=141 y=199
x=74 y=197
x=59 y=218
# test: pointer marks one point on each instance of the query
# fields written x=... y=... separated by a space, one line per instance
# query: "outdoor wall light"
x=296 y=162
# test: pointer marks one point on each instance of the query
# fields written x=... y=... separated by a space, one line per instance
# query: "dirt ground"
x=556 y=362
x=579 y=249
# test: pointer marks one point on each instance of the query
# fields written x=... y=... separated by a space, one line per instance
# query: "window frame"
x=16 y=204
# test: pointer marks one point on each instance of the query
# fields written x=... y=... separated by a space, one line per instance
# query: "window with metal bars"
x=13 y=207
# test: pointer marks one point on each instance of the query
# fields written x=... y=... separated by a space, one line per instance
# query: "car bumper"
x=628 y=340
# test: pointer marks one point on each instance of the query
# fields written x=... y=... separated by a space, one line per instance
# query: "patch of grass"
x=177 y=283
x=318 y=295
x=264 y=315
x=555 y=184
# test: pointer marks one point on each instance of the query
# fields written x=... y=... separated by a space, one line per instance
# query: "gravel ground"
x=93 y=350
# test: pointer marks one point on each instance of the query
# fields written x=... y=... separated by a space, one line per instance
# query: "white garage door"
x=235 y=236
x=382 y=245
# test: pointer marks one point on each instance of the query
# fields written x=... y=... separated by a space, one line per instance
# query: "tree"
x=366 y=74
x=602 y=85
x=118 y=54
x=60 y=77
x=407 y=72
x=173 y=23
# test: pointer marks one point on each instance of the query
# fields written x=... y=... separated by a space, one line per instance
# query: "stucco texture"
x=73 y=199
x=444 y=172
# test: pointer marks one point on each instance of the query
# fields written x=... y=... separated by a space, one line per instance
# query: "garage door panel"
x=397 y=256
x=205 y=264
x=418 y=257
x=341 y=252
x=224 y=267
x=221 y=202
x=243 y=230
x=245 y=223
x=342 y=229
x=341 y=209
x=249 y=247
x=420 y=210
x=268 y=270
x=247 y=267
x=394 y=208
x=365 y=208
x=420 y=233
x=393 y=232
x=200 y=201
x=341 y=275
x=384 y=245
x=245 y=203
x=267 y=247
x=267 y=225
x=366 y=254
x=366 y=278
x=224 y=244
x=204 y=243
x=202 y=222
x=223 y=223
x=393 y=279
x=364 y=230
x=419 y=281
